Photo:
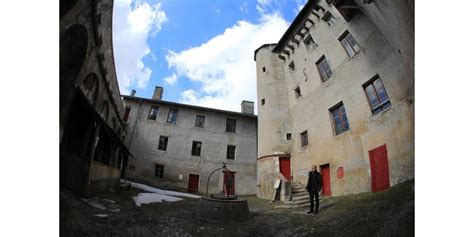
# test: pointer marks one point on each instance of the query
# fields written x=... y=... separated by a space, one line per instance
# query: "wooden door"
x=379 y=168
x=193 y=183
x=229 y=182
x=326 y=175
x=285 y=167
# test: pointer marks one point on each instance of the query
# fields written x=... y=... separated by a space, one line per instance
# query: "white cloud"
x=171 y=80
x=133 y=23
x=244 y=7
x=224 y=67
x=299 y=5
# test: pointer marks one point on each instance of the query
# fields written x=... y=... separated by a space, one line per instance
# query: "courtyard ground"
x=389 y=213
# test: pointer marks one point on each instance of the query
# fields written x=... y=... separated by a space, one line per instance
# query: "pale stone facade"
x=177 y=161
x=293 y=96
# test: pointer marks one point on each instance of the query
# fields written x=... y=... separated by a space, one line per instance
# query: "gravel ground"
x=389 y=213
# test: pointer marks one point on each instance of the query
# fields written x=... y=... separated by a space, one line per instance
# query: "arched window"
x=104 y=110
x=91 y=86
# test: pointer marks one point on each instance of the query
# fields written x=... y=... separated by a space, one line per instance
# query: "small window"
x=292 y=66
x=163 y=143
x=297 y=92
x=131 y=167
x=126 y=113
x=159 y=171
x=323 y=68
x=349 y=43
x=329 y=18
x=230 y=152
x=377 y=95
x=288 y=136
x=172 y=116
x=263 y=101
x=153 y=113
x=230 y=125
x=309 y=43
x=200 y=121
x=263 y=69
x=339 y=118
x=196 y=149
x=304 y=139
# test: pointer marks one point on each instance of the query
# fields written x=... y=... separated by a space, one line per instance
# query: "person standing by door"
x=313 y=187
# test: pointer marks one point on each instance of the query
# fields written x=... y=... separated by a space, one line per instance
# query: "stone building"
x=179 y=145
x=93 y=156
x=337 y=91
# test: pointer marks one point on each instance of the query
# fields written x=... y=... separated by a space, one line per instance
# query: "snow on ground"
x=146 y=198
x=161 y=191
x=156 y=194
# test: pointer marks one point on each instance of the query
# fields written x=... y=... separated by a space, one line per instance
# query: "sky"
x=200 y=52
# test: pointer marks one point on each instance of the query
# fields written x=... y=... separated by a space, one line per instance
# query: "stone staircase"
x=299 y=197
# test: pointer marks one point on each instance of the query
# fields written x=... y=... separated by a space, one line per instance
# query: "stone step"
x=295 y=198
x=299 y=194
x=297 y=190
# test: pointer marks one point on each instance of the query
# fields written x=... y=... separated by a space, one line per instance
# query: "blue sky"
x=201 y=52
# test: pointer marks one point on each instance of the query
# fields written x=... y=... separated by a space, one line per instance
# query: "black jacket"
x=314 y=182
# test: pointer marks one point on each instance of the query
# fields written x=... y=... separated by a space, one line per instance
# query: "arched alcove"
x=91 y=86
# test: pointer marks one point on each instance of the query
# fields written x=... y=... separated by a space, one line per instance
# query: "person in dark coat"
x=313 y=187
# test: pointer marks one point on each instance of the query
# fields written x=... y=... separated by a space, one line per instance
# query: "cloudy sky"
x=201 y=52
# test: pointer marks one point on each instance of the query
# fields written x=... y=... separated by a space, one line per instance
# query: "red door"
x=193 y=183
x=326 y=175
x=285 y=167
x=379 y=168
x=229 y=182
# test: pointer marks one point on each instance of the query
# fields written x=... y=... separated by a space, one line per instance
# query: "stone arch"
x=91 y=86
x=65 y=6
x=104 y=110
x=73 y=48
x=114 y=123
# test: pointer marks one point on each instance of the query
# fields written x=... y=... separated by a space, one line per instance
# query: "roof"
x=255 y=52
x=127 y=97
x=294 y=25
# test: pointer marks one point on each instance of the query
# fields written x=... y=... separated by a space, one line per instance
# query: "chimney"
x=158 y=94
x=247 y=107
x=133 y=93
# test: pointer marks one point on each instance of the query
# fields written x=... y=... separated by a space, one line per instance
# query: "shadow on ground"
x=389 y=213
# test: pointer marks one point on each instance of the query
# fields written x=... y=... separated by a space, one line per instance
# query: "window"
x=159 y=171
x=292 y=66
x=297 y=92
x=329 y=18
x=349 y=43
x=200 y=121
x=126 y=113
x=304 y=139
x=163 y=143
x=376 y=94
x=323 y=68
x=153 y=113
x=339 y=118
x=230 y=125
x=263 y=101
x=288 y=136
x=172 y=116
x=196 y=150
x=263 y=69
x=309 y=43
x=231 y=152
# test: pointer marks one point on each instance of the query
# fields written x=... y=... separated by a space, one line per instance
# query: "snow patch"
x=160 y=191
x=156 y=194
x=146 y=198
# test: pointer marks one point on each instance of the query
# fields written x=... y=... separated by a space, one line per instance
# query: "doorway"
x=285 y=167
x=326 y=175
x=379 y=168
x=229 y=183
x=193 y=183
